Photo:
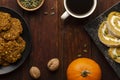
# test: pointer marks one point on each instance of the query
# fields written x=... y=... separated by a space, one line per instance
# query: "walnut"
x=35 y=72
x=53 y=64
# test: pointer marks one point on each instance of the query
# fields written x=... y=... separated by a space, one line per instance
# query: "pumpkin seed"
x=30 y=3
x=85 y=50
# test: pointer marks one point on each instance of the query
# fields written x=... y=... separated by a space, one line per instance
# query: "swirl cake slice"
x=114 y=23
x=114 y=53
x=106 y=37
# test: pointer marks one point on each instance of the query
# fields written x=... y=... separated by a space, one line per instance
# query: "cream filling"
x=114 y=52
x=118 y=23
x=108 y=38
x=112 y=22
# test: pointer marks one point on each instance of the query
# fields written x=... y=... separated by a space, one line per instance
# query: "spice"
x=30 y=3
x=114 y=56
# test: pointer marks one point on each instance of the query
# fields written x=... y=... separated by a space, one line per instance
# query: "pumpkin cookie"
x=114 y=53
x=2 y=44
x=114 y=23
x=13 y=50
x=11 y=43
x=4 y=21
x=14 y=31
x=106 y=37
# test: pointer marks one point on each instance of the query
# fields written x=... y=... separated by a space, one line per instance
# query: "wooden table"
x=53 y=37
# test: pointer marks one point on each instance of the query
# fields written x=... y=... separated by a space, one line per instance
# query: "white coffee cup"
x=68 y=12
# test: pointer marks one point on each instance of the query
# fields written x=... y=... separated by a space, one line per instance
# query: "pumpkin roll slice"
x=114 y=53
x=114 y=23
x=106 y=37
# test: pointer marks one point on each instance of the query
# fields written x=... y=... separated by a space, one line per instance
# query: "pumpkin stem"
x=85 y=73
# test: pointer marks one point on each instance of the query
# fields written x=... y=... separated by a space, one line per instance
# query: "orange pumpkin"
x=83 y=69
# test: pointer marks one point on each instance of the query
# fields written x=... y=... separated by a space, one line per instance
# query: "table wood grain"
x=52 y=37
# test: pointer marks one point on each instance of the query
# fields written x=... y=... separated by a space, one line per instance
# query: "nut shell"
x=35 y=72
x=53 y=64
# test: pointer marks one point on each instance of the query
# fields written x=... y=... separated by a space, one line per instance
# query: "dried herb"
x=115 y=56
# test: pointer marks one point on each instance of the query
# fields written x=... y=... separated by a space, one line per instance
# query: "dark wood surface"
x=52 y=37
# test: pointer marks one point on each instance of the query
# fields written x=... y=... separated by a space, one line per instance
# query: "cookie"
x=13 y=50
x=15 y=30
x=4 y=21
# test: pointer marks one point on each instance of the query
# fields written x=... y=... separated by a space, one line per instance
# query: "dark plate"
x=25 y=35
x=92 y=29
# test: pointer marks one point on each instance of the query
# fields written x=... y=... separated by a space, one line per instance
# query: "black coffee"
x=79 y=7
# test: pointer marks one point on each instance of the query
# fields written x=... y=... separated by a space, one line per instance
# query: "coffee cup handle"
x=64 y=15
